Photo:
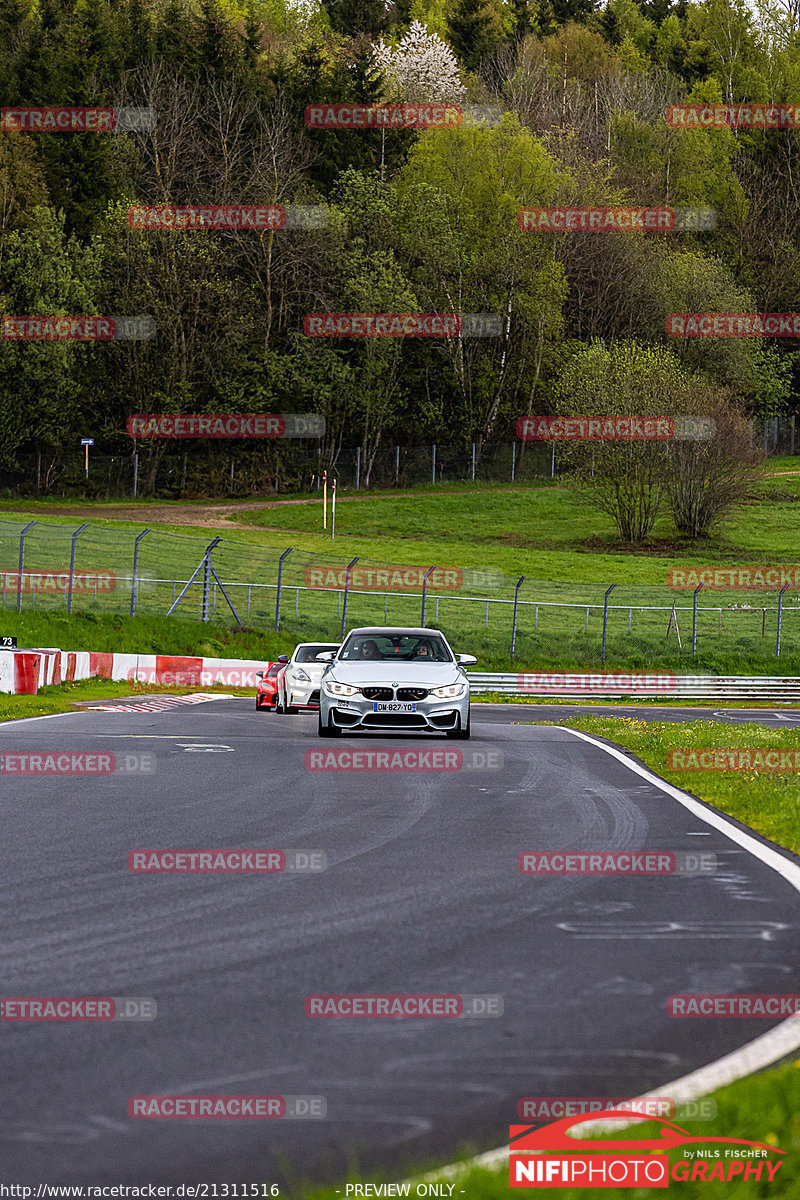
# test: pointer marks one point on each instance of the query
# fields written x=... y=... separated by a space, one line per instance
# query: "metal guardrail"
x=579 y=686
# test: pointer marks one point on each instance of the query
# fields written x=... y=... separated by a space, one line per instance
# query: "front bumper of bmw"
x=430 y=713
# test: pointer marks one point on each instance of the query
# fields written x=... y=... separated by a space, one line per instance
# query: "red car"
x=267 y=686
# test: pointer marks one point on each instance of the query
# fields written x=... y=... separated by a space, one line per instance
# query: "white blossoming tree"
x=422 y=67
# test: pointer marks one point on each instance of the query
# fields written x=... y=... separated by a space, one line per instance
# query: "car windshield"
x=273 y=671
x=394 y=648
x=306 y=654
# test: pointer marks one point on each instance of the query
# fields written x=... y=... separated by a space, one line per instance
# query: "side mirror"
x=282 y=658
x=259 y=674
x=466 y=660
x=326 y=656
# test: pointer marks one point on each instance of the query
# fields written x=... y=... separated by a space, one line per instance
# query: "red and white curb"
x=23 y=672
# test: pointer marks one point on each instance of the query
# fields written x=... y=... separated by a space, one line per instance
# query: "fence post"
x=425 y=593
x=694 y=618
x=358 y=468
x=513 y=459
x=780 y=614
x=792 y=423
x=285 y=554
x=350 y=566
x=28 y=527
x=553 y=462
x=207 y=575
x=135 y=473
x=433 y=463
x=605 y=616
x=135 y=573
x=473 y=462
x=72 y=554
x=396 y=465
x=520 y=582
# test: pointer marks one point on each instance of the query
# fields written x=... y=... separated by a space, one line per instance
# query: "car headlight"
x=339 y=689
x=449 y=693
x=299 y=674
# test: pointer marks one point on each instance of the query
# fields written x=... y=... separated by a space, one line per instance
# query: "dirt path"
x=211 y=514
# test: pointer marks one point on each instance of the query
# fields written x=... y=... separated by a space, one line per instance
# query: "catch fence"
x=97 y=569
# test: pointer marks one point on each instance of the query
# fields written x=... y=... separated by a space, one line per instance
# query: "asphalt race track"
x=421 y=894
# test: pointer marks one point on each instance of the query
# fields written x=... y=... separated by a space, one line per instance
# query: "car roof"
x=300 y=644
x=393 y=630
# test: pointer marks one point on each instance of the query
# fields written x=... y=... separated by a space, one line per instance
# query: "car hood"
x=312 y=669
x=400 y=674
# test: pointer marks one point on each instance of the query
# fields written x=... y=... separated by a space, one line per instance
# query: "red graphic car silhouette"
x=524 y=1138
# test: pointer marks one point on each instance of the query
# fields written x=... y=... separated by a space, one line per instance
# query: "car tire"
x=327 y=731
x=460 y=735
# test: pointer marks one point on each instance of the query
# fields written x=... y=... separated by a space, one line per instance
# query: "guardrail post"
x=350 y=566
x=694 y=618
x=605 y=614
x=285 y=554
x=135 y=574
x=425 y=593
x=207 y=575
x=520 y=582
x=780 y=614
x=22 y=536
x=72 y=553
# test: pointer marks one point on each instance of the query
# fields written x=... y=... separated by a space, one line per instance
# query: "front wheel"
x=460 y=735
x=327 y=731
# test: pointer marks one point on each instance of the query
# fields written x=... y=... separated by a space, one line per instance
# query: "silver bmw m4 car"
x=395 y=678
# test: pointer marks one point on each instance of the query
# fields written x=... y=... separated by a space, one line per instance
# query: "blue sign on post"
x=87 y=441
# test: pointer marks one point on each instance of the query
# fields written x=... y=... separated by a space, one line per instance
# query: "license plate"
x=397 y=706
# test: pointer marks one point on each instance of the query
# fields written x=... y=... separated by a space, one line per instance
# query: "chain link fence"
x=241 y=470
x=91 y=568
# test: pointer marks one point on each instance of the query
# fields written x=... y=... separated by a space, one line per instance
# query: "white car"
x=395 y=678
x=298 y=682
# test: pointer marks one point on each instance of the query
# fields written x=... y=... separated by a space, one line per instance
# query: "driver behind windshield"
x=370 y=651
x=422 y=650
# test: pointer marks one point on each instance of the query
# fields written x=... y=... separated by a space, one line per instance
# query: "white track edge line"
x=753 y=1056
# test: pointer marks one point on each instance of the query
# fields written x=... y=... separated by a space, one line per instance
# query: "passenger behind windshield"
x=385 y=649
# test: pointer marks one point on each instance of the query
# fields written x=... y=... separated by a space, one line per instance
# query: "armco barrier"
x=24 y=671
x=578 y=686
